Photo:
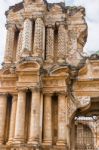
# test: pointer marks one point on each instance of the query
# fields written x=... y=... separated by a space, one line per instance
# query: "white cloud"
x=92 y=12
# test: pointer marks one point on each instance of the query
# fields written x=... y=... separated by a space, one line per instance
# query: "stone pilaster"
x=20 y=118
x=12 y=120
x=50 y=44
x=34 y=133
x=67 y=125
x=47 y=130
x=72 y=35
x=8 y=56
x=19 y=46
x=61 y=53
x=74 y=38
x=61 y=120
x=3 y=107
x=27 y=38
x=97 y=136
x=38 y=47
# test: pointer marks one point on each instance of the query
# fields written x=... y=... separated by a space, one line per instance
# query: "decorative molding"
x=83 y=100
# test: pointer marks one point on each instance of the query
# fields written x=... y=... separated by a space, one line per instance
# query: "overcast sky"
x=92 y=18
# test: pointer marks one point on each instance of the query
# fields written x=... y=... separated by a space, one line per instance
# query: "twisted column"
x=61 y=120
x=27 y=37
x=20 y=118
x=3 y=107
x=47 y=139
x=12 y=120
x=34 y=133
x=38 y=48
x=50 y=44
x=8 y=56
x=61 y=53
x=19 y=47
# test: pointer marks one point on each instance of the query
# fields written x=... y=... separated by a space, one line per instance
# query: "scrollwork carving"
x=83 y=100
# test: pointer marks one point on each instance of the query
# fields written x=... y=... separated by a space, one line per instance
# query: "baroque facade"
x=49 y=92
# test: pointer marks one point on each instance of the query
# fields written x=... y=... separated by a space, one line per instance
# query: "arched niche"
x=6 y=71
x=83 y=120
x=28 y=73
x=28 y=66
x=60 y=71
x=84 y=137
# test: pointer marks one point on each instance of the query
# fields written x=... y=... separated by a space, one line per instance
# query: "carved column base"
x=26 y=53
x=1 y=141
x=60 y=60
x=47 y=142
x=50 y=60
x=61 y=143
x=10 y=142
x=18 y=141
x=33 y=142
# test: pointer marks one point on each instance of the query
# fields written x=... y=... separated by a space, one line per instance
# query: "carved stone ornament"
x=71 y=108
x=83 y=100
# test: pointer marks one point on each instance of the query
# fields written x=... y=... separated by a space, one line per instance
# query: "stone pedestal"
x=61 y=120
x=12 y=120
x=34 y=133
x=20 y=118
x=3 y=106
x=47 y=139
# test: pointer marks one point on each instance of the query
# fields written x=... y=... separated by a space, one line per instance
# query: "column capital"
x=22 y=89
x=50 y=26
x=48 y=94
x=19 y=26
x=62 y=93
x=58 y=24
x=27 y=18
x=39 y=18
x=3 y=94
x=15 y=96
x=11 y=26
x=36 y=88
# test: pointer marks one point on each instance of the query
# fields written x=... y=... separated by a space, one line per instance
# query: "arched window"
x=84 y=137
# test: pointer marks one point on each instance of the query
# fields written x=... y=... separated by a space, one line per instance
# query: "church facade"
x=49 y=92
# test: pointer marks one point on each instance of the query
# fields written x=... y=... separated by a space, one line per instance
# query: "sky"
x=92 y=18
